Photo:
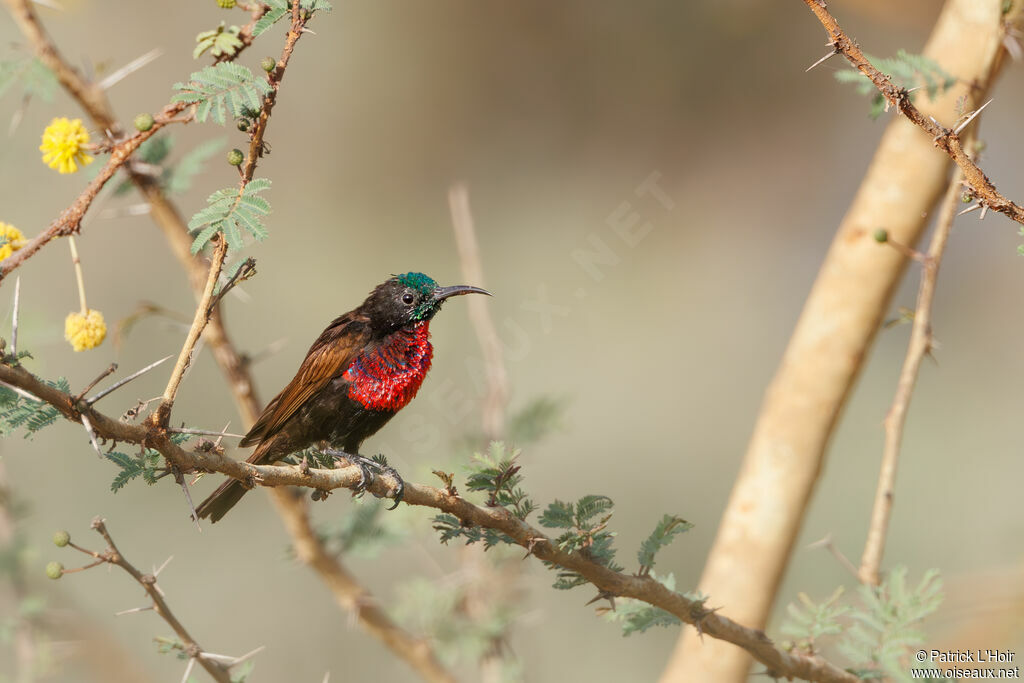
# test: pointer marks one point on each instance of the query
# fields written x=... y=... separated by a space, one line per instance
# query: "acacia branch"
x=949 y=141
x=644 y=588
x=920 y=345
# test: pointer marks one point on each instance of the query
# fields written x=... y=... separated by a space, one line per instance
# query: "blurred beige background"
x=553 y=113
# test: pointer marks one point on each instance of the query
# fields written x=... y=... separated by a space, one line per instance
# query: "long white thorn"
x=188 y=669
x=14 y=318
x=129 y=378
x=133 y=610
x=129 y=68
x=92 y=435
x=956 y=131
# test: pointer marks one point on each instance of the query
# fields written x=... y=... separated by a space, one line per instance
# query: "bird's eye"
x=408 y=298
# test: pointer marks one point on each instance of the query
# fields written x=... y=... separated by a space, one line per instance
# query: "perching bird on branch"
x=365 y=367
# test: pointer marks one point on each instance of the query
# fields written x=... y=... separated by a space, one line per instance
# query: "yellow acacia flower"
x=11 y=240
x=63 y=142
x=85 y=331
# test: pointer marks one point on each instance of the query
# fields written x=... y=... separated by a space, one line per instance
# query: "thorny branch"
x=949 y=141
x=647 y=589
x=920 y=345
x=113 y=556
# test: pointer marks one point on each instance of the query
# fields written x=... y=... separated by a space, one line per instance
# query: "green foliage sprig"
x=147 y=464
x=906 y=70
x=221 y=89
x=878 y=632
x=585 y=525
x=221 y=42
x=636 y=616
x=277 y=9
x=229 y=211
x=35 y=78
x=667 y=529
x=17 y=411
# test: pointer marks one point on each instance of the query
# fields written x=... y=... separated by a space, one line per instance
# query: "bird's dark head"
x=408 y=299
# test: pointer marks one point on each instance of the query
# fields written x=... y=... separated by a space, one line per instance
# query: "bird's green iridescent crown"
x=423 y=284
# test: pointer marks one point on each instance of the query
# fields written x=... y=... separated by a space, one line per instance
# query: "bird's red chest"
x=388 y=376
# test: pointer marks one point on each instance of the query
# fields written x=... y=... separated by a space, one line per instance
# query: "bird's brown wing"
x=327 y=358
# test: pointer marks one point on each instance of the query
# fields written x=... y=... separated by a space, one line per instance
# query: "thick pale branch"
x=644 y=588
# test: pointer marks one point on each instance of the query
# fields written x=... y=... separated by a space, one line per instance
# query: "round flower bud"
x=55 y=570
x=235 y=157
x=243 y=125
x=881 y=235
x=143 y=122
x=61 y=538
x=226 y=4
x=85 y=331
x=268 y=64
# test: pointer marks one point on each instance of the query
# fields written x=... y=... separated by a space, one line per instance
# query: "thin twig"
x=99 y=378
x=479 y=314
x=77 y=263
x=129 y=378
x=163 y=413
x=920 y=344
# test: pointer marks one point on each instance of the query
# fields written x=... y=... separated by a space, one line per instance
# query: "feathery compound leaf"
x=17 y=411
x=636 y=616
x=36 y=78
x=887 y=624
x=178 y=178
x=667 y=529
x=219 y=41
x=276 y=10
x=810 y=621
x=225 y=86
x=228 y=212
x=906 y=70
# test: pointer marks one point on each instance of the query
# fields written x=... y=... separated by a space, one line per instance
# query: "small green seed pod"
x=881 y=235
x=144 y=122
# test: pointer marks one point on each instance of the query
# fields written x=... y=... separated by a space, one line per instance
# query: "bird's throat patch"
x=387 y=377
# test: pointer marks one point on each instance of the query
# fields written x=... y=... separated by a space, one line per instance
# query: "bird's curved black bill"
x=442 y=293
